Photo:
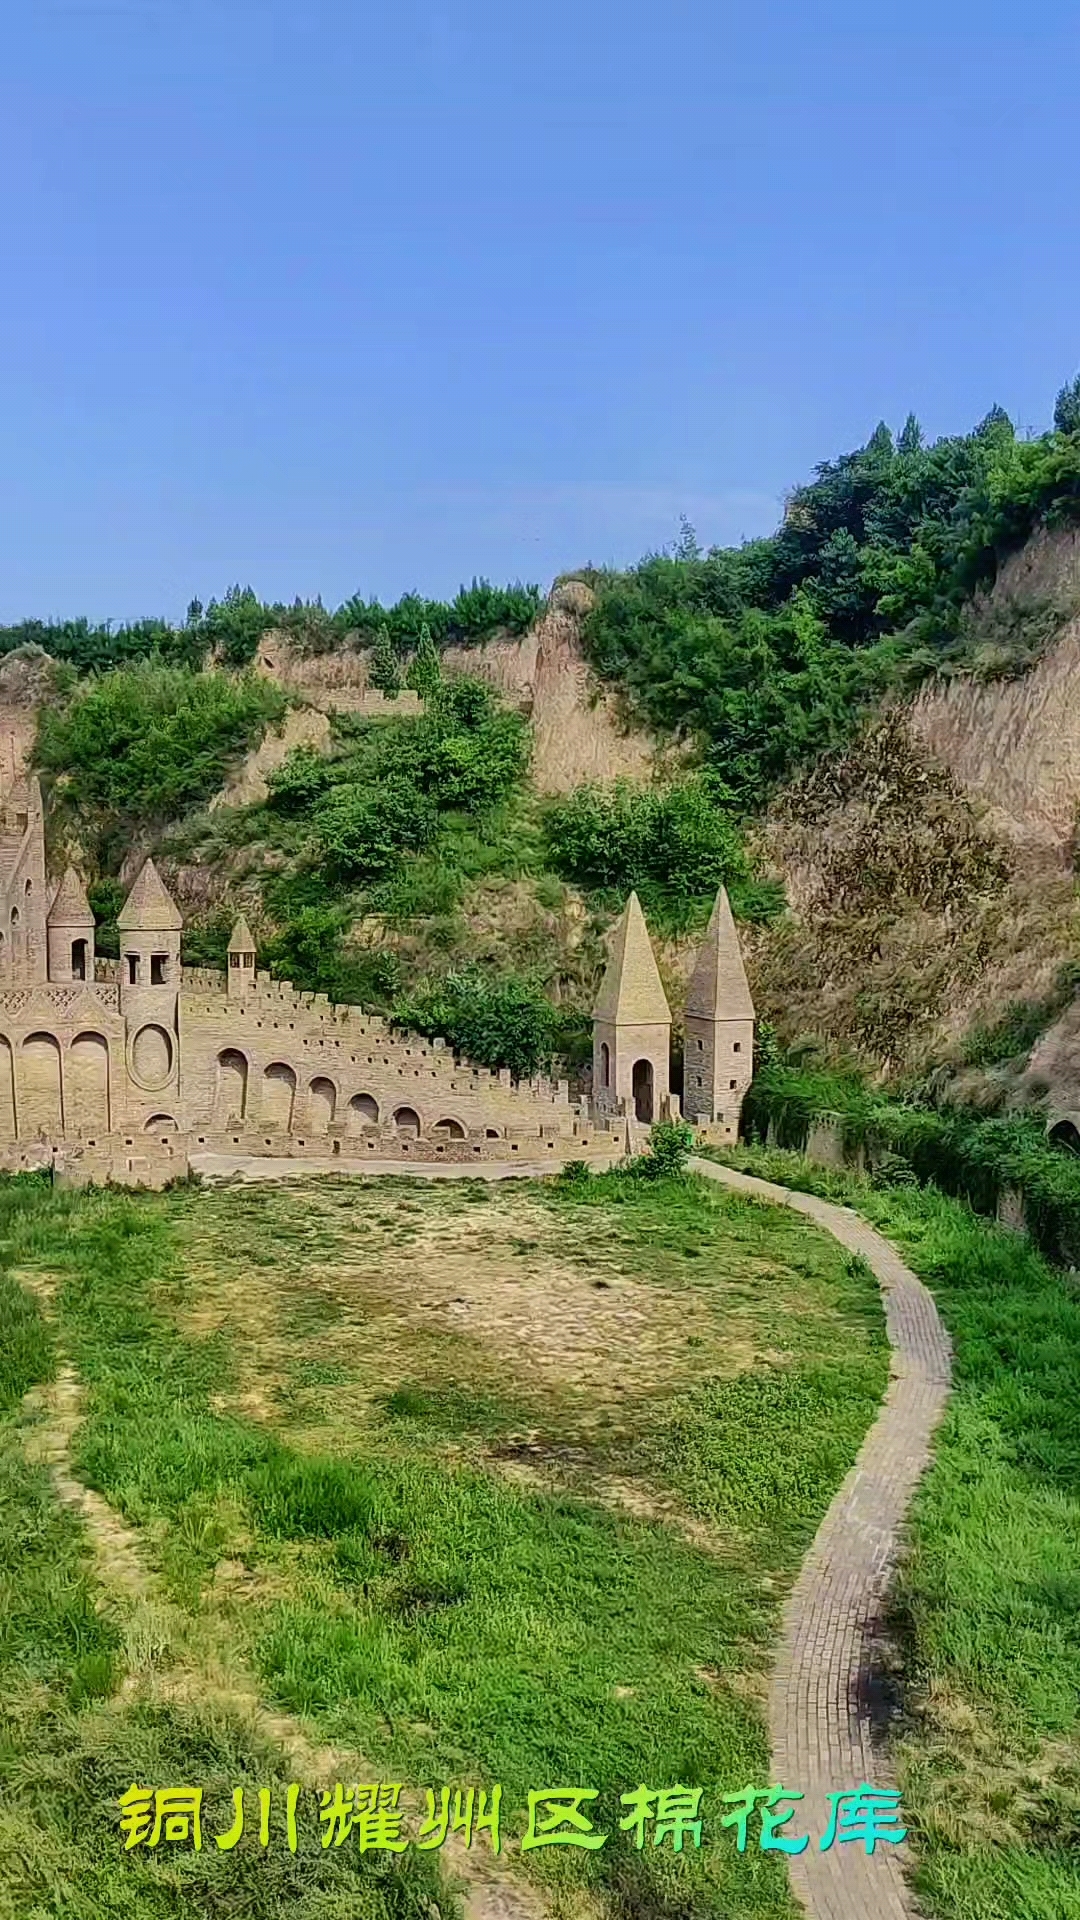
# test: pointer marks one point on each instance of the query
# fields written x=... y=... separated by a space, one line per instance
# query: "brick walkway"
x=827 y=1676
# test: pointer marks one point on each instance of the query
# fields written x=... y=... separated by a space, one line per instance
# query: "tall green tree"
x=1067 y=407
x=384 y=669
x=424 y=674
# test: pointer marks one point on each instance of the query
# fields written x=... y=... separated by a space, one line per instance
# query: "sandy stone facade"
x=632 y=1030
x=120 y=1069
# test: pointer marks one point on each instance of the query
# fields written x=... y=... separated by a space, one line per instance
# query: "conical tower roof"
x=718 y=988
x=149 y=907
x=70 y=908
x=631 y=993
x=240 y=940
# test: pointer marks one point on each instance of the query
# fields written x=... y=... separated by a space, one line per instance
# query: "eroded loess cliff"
x=930 y=870
x=578 y=733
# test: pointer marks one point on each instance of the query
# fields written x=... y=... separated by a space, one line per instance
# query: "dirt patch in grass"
x=556 y=1317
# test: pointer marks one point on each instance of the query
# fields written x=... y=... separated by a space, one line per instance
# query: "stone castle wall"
x=274 y=1072
x=120 y=1069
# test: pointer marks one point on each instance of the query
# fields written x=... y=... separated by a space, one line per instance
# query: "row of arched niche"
x=49 y=1089
x=275 y=1097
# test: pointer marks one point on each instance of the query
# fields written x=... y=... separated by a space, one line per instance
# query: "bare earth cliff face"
x=935 y=885
x=577 y=732
x=1015 y=743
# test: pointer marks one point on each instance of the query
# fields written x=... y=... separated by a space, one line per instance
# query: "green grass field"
x=988 y=1608
x=464 y=1484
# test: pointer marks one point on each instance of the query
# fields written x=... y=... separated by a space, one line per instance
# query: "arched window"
x=605 y=1064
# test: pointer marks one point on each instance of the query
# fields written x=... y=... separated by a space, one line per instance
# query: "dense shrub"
x=363 y=831
x=313 y=951
x=768 y=653
x=671 y=845
x=465 y=752
x=139 y=746
x=670 y=1142
x=300 y=782
x=978 y=1160
x=496 y=1023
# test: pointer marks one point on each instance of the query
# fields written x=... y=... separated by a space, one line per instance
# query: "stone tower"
x=70 y=932
x=631 y=1026
x=149 y=923
x=23 y=953
x=719 y=1053
x=241 y=962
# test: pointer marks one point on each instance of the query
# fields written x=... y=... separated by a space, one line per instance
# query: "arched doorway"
x=322 y=1101
x=42 y=1100
x=88 y=1083
x=407 y=1121
x=453 y=1129
x=278 y=1095
x=1066 y=1134
x=363 y=1112
x=643 y=1090
x=230 y=1098
x=9 y=1128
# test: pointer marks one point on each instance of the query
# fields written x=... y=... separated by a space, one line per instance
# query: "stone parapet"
x=155 y=1160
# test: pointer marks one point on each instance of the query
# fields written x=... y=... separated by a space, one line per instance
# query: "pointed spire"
x=631 y=993
x=70 y=907
x=241 y=940
x=149 y=907
x=718 y=987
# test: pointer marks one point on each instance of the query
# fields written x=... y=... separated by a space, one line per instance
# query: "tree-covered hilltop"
x=230 y=629
x=767 y=653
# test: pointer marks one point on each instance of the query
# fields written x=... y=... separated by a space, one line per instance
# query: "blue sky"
x=329 y=296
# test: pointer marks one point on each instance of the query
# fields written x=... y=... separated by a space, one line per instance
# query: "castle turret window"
x=159 y=969
x=132 y=968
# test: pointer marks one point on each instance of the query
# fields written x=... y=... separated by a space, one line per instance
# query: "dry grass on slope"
x=911 y=919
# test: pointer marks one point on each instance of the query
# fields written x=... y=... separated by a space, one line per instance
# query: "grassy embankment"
x=988 y=1606
x=479 y=1484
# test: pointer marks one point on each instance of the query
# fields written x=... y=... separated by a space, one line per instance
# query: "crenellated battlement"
x=123 y=1068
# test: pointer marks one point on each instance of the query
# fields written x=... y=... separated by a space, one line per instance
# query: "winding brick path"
x=827 y=1674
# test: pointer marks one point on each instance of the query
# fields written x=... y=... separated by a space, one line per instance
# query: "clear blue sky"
x=338 y=295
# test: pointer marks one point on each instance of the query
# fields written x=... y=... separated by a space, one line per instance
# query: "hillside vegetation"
x=768 y=653
x=410 y=861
